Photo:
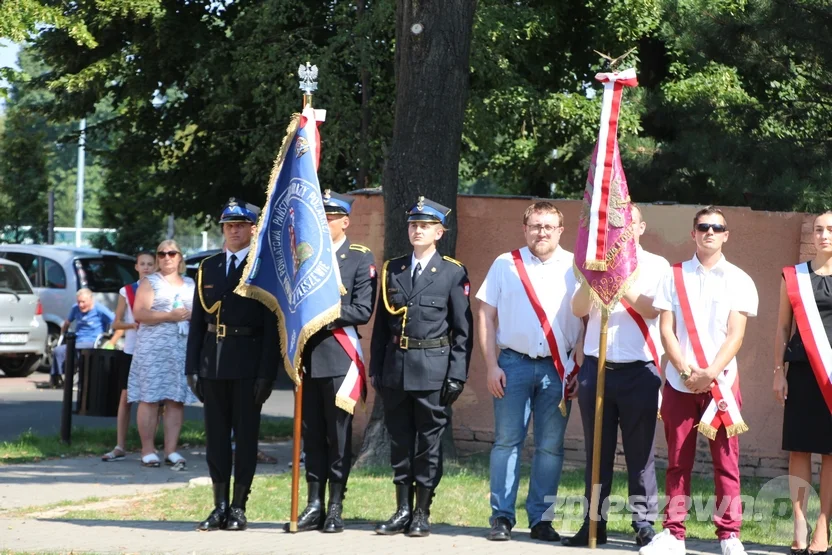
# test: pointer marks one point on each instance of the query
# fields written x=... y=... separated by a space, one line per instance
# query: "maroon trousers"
x=680 y=414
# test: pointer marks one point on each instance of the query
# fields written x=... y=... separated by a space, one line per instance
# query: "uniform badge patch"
x=466 y=288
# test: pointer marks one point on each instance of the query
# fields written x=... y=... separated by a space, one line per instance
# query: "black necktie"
x=416 y=273
x=233 y=266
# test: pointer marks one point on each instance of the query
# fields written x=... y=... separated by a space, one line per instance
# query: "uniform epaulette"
x=359 y=248
x=453 y=261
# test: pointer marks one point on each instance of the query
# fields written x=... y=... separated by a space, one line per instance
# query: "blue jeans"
x=59 y=356
x=532 y=386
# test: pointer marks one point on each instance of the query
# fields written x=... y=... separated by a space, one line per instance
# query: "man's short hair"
x=83 y=292
x=145 y=253
x=635 y=206
x=707 y=211
x=543 y=207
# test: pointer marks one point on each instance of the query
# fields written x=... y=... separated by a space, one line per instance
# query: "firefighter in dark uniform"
x=327 y=429
x=421 y=349
x=232 y=362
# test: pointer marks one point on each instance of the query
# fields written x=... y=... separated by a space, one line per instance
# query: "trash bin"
x=98 y=386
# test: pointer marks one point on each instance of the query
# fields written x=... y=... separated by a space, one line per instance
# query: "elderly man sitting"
x=90 y=322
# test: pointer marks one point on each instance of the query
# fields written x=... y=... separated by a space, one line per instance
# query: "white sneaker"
x=667 y=544
x=732 y=546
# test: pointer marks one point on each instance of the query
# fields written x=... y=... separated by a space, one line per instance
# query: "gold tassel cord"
x=390 y=309
x=562 y=406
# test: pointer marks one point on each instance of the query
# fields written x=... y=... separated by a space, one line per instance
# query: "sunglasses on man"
x=718 y=228
x=162 y=254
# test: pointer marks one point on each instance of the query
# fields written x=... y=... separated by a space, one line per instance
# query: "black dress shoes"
x=219 y=516
x=236 y=519
x=215 y=521
x=401 y=519
x=543 y=531
x=500 y=530
x=581 y=539
x=312 y=517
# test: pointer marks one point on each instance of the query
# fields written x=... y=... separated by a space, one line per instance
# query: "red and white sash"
x=651 y=345
x=354 y=386
x=558 y=354
x=810 y=325
x=723 y=408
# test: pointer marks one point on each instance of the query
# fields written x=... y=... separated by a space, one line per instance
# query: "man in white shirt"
x=704 y=304
x=631 y=391
x=523 y=375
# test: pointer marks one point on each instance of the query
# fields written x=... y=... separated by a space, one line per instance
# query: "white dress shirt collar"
x=423 y=261
x=557 y=256
x=719 y=267
x=240 y=254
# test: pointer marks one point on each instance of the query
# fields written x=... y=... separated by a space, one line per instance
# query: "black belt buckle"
x=404 y=341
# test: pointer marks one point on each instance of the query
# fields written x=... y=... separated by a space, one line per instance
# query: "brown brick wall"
x=761 y=243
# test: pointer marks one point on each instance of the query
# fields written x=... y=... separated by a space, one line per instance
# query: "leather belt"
x=406 y=343
x=622 y=365
x=222 y=330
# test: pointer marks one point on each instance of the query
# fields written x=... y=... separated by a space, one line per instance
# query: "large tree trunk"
x=433 y=42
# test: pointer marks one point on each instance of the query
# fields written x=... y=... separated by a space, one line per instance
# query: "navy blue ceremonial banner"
x=290 y=267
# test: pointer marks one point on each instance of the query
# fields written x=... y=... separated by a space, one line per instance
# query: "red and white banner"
x=596 y=248
x=810 y=325
x=558 y=353
x=310 y=120
x=723 y=408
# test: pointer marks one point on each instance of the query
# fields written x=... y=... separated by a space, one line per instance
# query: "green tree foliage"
x=741 y=112
x=732 y=106
x=33 y=144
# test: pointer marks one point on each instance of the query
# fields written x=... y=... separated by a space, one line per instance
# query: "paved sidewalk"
x=55 y=481
x=268 y=537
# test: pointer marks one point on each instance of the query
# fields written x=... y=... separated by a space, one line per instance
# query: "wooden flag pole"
x=595 y=492
x=297 y=440
x=307 y=74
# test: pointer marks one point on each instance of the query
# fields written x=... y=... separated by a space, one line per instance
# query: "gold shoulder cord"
x=199 y=288
x=402 y=310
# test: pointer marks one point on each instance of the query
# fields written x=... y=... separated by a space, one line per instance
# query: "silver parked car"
x=22 y=328
x=57 y=272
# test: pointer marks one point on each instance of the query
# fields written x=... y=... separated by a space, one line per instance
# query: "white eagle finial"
x=308 y=78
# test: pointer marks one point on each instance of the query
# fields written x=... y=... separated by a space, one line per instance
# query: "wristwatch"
x=685 y=375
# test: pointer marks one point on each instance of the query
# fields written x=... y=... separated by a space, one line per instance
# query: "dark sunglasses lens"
x=162 y=254
x=718 y=228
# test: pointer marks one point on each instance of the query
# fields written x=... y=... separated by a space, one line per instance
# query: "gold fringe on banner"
x=263 y=296
x=596 y=299
x=562 y=405
x=596 y=265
